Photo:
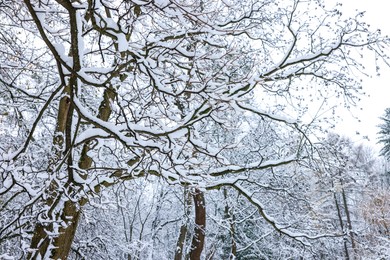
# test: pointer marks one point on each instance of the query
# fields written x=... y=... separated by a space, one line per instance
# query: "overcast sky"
x=378 y=88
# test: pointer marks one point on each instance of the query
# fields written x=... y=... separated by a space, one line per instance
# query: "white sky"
x=378 y=88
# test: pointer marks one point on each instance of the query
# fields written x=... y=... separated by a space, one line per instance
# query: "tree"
x=345 y=169
x=350 y=196
x=384 y=134
x=105 y=92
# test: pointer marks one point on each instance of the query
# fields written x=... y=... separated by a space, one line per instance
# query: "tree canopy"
x=102 y=100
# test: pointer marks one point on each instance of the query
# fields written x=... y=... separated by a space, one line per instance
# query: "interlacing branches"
x=124 y=90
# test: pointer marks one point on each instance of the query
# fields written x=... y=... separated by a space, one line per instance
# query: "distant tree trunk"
x=200 y=225
x=230 y=218
x=348 y=216
x=179 y=250
x=350 y=231
x=342 y=226
x=180 y=242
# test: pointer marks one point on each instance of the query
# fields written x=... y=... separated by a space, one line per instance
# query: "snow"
x=238 y=106
x=222 y=182
x=179 y=133
x=89 y=133
x=7 y=183
x=162 y=3
x=180 y=147
x=10 y=155
x=111 y=24
x=60 y=48
x=80 y=39
x=82 y=73
x=109 y=128
x=6 y=257
x=123 y=44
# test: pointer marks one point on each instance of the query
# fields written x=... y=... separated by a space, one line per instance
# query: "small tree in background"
x=384 y=133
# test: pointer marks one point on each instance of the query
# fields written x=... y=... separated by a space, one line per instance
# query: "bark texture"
x=179 y=250
x=41 y=241
x=198 y=239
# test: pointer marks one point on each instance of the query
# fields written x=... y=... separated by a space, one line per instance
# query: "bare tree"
x=385 y=134
x=105 y=92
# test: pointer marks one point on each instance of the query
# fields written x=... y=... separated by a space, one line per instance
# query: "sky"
x=372 y=105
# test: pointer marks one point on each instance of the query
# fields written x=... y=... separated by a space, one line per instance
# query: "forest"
x=188 y=129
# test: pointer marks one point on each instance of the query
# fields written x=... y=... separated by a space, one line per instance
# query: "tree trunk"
x=342 y=226
x=41 y=241
x=180 y=242
x=58 y=247
x=54 y=238
x=350 y=231
x=200 y=225
x=179 y=250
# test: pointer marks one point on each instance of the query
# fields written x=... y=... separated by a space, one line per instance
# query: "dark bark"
x=58 y=244
x=71 y=210
x=349 y=222
x=40 y=241
x=47 y=241
x=342 y=226
x=180 y=242
x=198 y=238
